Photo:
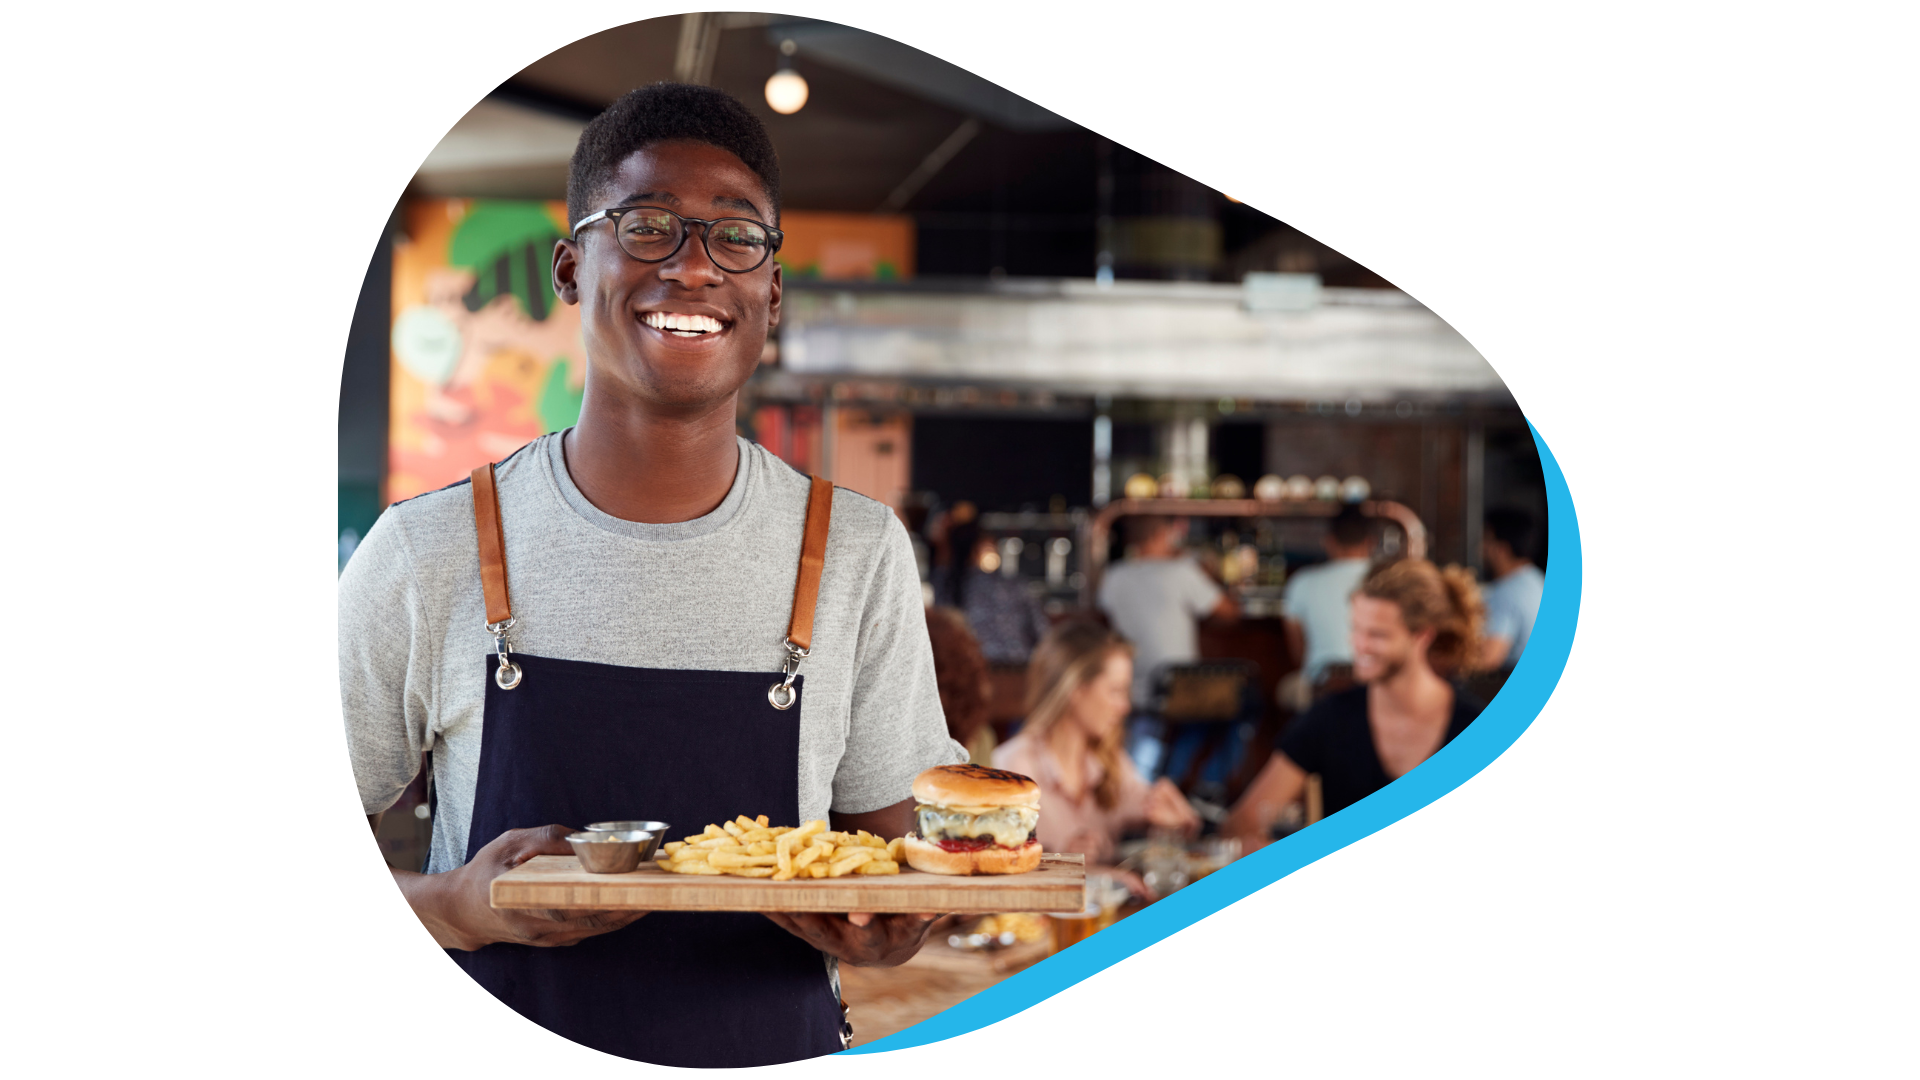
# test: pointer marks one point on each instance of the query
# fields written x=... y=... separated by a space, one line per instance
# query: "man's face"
x=1382 y=644
x=1174 y=534
x=622 y=300
x=1494 y=553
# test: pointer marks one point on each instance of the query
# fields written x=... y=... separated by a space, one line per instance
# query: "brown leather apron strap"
x=493 y=546
x=813 y=557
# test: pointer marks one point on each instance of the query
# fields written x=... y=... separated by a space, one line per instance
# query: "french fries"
x=750 y=847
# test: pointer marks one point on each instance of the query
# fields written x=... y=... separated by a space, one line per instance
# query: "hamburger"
x=974 y=820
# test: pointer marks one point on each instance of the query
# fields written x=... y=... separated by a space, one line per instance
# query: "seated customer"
x=966 y=691
x=1078 y=698
x=1408 y=617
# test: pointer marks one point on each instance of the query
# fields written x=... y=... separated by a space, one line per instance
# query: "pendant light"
x=786 y=90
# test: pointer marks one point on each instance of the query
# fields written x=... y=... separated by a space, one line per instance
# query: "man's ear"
x=566 y=267
x=773 y=297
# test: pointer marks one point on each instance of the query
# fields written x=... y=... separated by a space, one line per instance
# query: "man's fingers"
x=549 y=840
x=526 y=843
x=859 y=918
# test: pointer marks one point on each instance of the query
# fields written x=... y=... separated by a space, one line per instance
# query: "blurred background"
x=1015 y=332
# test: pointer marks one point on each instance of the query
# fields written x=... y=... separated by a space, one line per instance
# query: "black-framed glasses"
x=655 y=234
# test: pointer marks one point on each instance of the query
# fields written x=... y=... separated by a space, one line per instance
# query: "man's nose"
x=691 y=266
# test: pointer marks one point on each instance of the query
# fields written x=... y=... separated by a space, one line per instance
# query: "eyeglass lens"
x=733 y=243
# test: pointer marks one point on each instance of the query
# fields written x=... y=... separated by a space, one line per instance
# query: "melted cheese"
x=1009 y=826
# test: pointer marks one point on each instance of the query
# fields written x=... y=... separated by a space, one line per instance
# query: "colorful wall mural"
x=485 y=358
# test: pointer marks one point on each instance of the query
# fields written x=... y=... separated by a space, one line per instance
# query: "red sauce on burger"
x=977 y=843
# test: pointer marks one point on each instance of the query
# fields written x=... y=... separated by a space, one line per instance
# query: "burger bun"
x=931 y=858
x=975 y=785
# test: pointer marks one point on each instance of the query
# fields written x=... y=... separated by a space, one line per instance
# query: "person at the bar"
x=1156 y=598
x=1514 y=590
x=1316 y=604
x=1079 y=690
x=1409 y=618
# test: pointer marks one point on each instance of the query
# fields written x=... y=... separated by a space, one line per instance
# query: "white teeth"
x=682 y=325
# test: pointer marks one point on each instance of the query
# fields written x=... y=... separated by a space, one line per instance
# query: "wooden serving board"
x=556 y=881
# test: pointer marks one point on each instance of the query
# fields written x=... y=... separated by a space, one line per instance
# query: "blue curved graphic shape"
x=1515 y=707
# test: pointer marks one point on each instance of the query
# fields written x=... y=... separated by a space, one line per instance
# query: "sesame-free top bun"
x=974 y=785
x=931 y=858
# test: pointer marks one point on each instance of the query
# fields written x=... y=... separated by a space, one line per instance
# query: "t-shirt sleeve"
x=1197 y=590
x=1290 y=604
x=1503 y=616
x=1304 y=740
x=895 y=728
x=387 y=660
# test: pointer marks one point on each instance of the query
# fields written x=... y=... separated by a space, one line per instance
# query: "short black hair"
x=660 y=112
x=1141 y=528
x=1512 y=527
x=1349 y=527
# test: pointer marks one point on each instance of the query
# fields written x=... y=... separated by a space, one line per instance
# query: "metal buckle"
x=782 y=695
x=507 y=675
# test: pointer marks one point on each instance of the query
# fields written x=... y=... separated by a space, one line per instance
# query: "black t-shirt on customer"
x=1334 y=739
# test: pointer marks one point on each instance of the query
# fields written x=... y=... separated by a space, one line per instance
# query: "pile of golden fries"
x=748 y=847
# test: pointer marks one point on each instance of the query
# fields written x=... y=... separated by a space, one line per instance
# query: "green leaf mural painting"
x=484 y=357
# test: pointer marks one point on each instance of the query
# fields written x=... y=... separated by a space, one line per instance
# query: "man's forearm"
x=429 y=897
x=431 y=900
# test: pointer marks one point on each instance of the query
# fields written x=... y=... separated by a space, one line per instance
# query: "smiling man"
x=648 y=617
x=1408 y=618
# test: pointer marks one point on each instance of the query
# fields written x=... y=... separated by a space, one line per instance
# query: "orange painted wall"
x=847 y=247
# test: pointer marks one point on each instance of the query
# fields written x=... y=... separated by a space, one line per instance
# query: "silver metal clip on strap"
x=507 y=675
x=782 y=695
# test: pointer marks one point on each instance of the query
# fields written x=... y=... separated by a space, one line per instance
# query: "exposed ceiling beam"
x=930 y=166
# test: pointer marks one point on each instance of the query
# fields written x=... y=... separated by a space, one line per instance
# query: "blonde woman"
x=1414 y=626
x=1079 y=685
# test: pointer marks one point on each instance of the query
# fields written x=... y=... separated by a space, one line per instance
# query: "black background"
x=1450 y=171
x=1004 y=463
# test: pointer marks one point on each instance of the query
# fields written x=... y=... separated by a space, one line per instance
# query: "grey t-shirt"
x=714 y=594
x=1155 y=603
x=1512 y=603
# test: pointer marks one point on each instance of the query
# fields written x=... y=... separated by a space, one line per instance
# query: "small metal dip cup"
x=610 y=852
x=657 y=828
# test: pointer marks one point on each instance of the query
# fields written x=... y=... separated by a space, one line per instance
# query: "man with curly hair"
x=1414 y=626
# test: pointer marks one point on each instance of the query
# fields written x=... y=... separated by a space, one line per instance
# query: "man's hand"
x=1280 y=782
x=456 y=909
x=1226 y=611
x=860 y=939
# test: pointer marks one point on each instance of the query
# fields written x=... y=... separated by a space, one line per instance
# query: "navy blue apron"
x=568 y=742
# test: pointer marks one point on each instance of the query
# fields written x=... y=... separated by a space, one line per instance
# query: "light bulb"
x=786 y=92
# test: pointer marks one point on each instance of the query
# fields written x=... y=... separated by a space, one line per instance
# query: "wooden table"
x=881 y=1001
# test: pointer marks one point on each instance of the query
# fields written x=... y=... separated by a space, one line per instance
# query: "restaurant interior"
x=1019 y=335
